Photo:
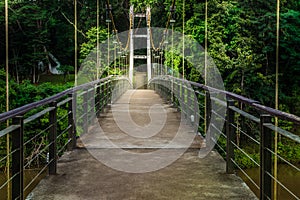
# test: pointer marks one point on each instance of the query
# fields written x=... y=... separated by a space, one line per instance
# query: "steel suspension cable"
x=183 y=42
x=205 y=60
x=115 y=30
x=167 y=23
x=75 y=42
x=98 y=64
x=120 y=44
x=7 y=100
x=167 y=26
x=276 y=96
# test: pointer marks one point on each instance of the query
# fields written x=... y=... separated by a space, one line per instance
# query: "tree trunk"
x=15 y=54
x=33 y=75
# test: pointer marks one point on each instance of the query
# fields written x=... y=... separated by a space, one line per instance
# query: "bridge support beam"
x=132 y=47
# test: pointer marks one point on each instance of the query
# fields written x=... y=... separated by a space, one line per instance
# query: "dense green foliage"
x=241 y=41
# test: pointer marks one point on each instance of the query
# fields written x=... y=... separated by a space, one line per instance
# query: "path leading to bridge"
x=82 y=176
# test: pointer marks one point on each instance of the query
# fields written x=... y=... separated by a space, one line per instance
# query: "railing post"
x=265 y=157
x=52 y=139
x=164 y=92
x=18 y=159
x=178 y=94
x=92 y=102
x=230 y=137
x=71 y=132
x=169 y=90
x=108 y=89
x=98 y=100
x=103 y=95
x=172 y=91
x=74 y=104
x=85 y=111
x=182 y=99
x=195 y=106
x=189 y=104
x=207 y=110
x=159 y=87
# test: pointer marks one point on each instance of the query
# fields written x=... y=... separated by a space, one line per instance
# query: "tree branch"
x=73 y=24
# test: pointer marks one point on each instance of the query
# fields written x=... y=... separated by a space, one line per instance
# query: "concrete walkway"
x=109 y=160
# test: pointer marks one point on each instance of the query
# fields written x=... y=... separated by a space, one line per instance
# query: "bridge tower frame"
x=132 y=16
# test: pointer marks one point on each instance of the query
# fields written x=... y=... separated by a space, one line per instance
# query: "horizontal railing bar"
x=224 y=151
x=62 y=117
x=63 y=132
x=245 y=114
x=38 y=115
x=91 y=89
x=9 y=180
x=249 y=178
x=81 y=116
x=40 y=152
x=278 y=113
x=90 y=110
x=200 y=93
x=64 y=146
x=282 y=185
x=246 y=154
x=218 y=130
x=228 y=94
x=21 y=110
x=64 y=101
x=284 y=160
x=251 y=102
x=222 y=103
x=81 y=93
x=40 y=133
x=35 y=177
x=37 y=155
x=4 y=158
x=9 y=129
x=246 y=134
x=285 y=133
x=218 y=115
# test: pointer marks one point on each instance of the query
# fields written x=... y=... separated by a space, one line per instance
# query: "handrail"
x=23 y=109
x=254 y=103
x=93 y=97
x=180 y=93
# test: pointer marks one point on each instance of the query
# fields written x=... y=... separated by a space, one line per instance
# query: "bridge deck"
x=82 y=176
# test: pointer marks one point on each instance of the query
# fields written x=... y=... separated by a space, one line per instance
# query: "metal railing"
x=41 y=131
x=247 y=123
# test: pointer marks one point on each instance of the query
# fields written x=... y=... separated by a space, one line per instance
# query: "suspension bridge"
x=147 y=135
